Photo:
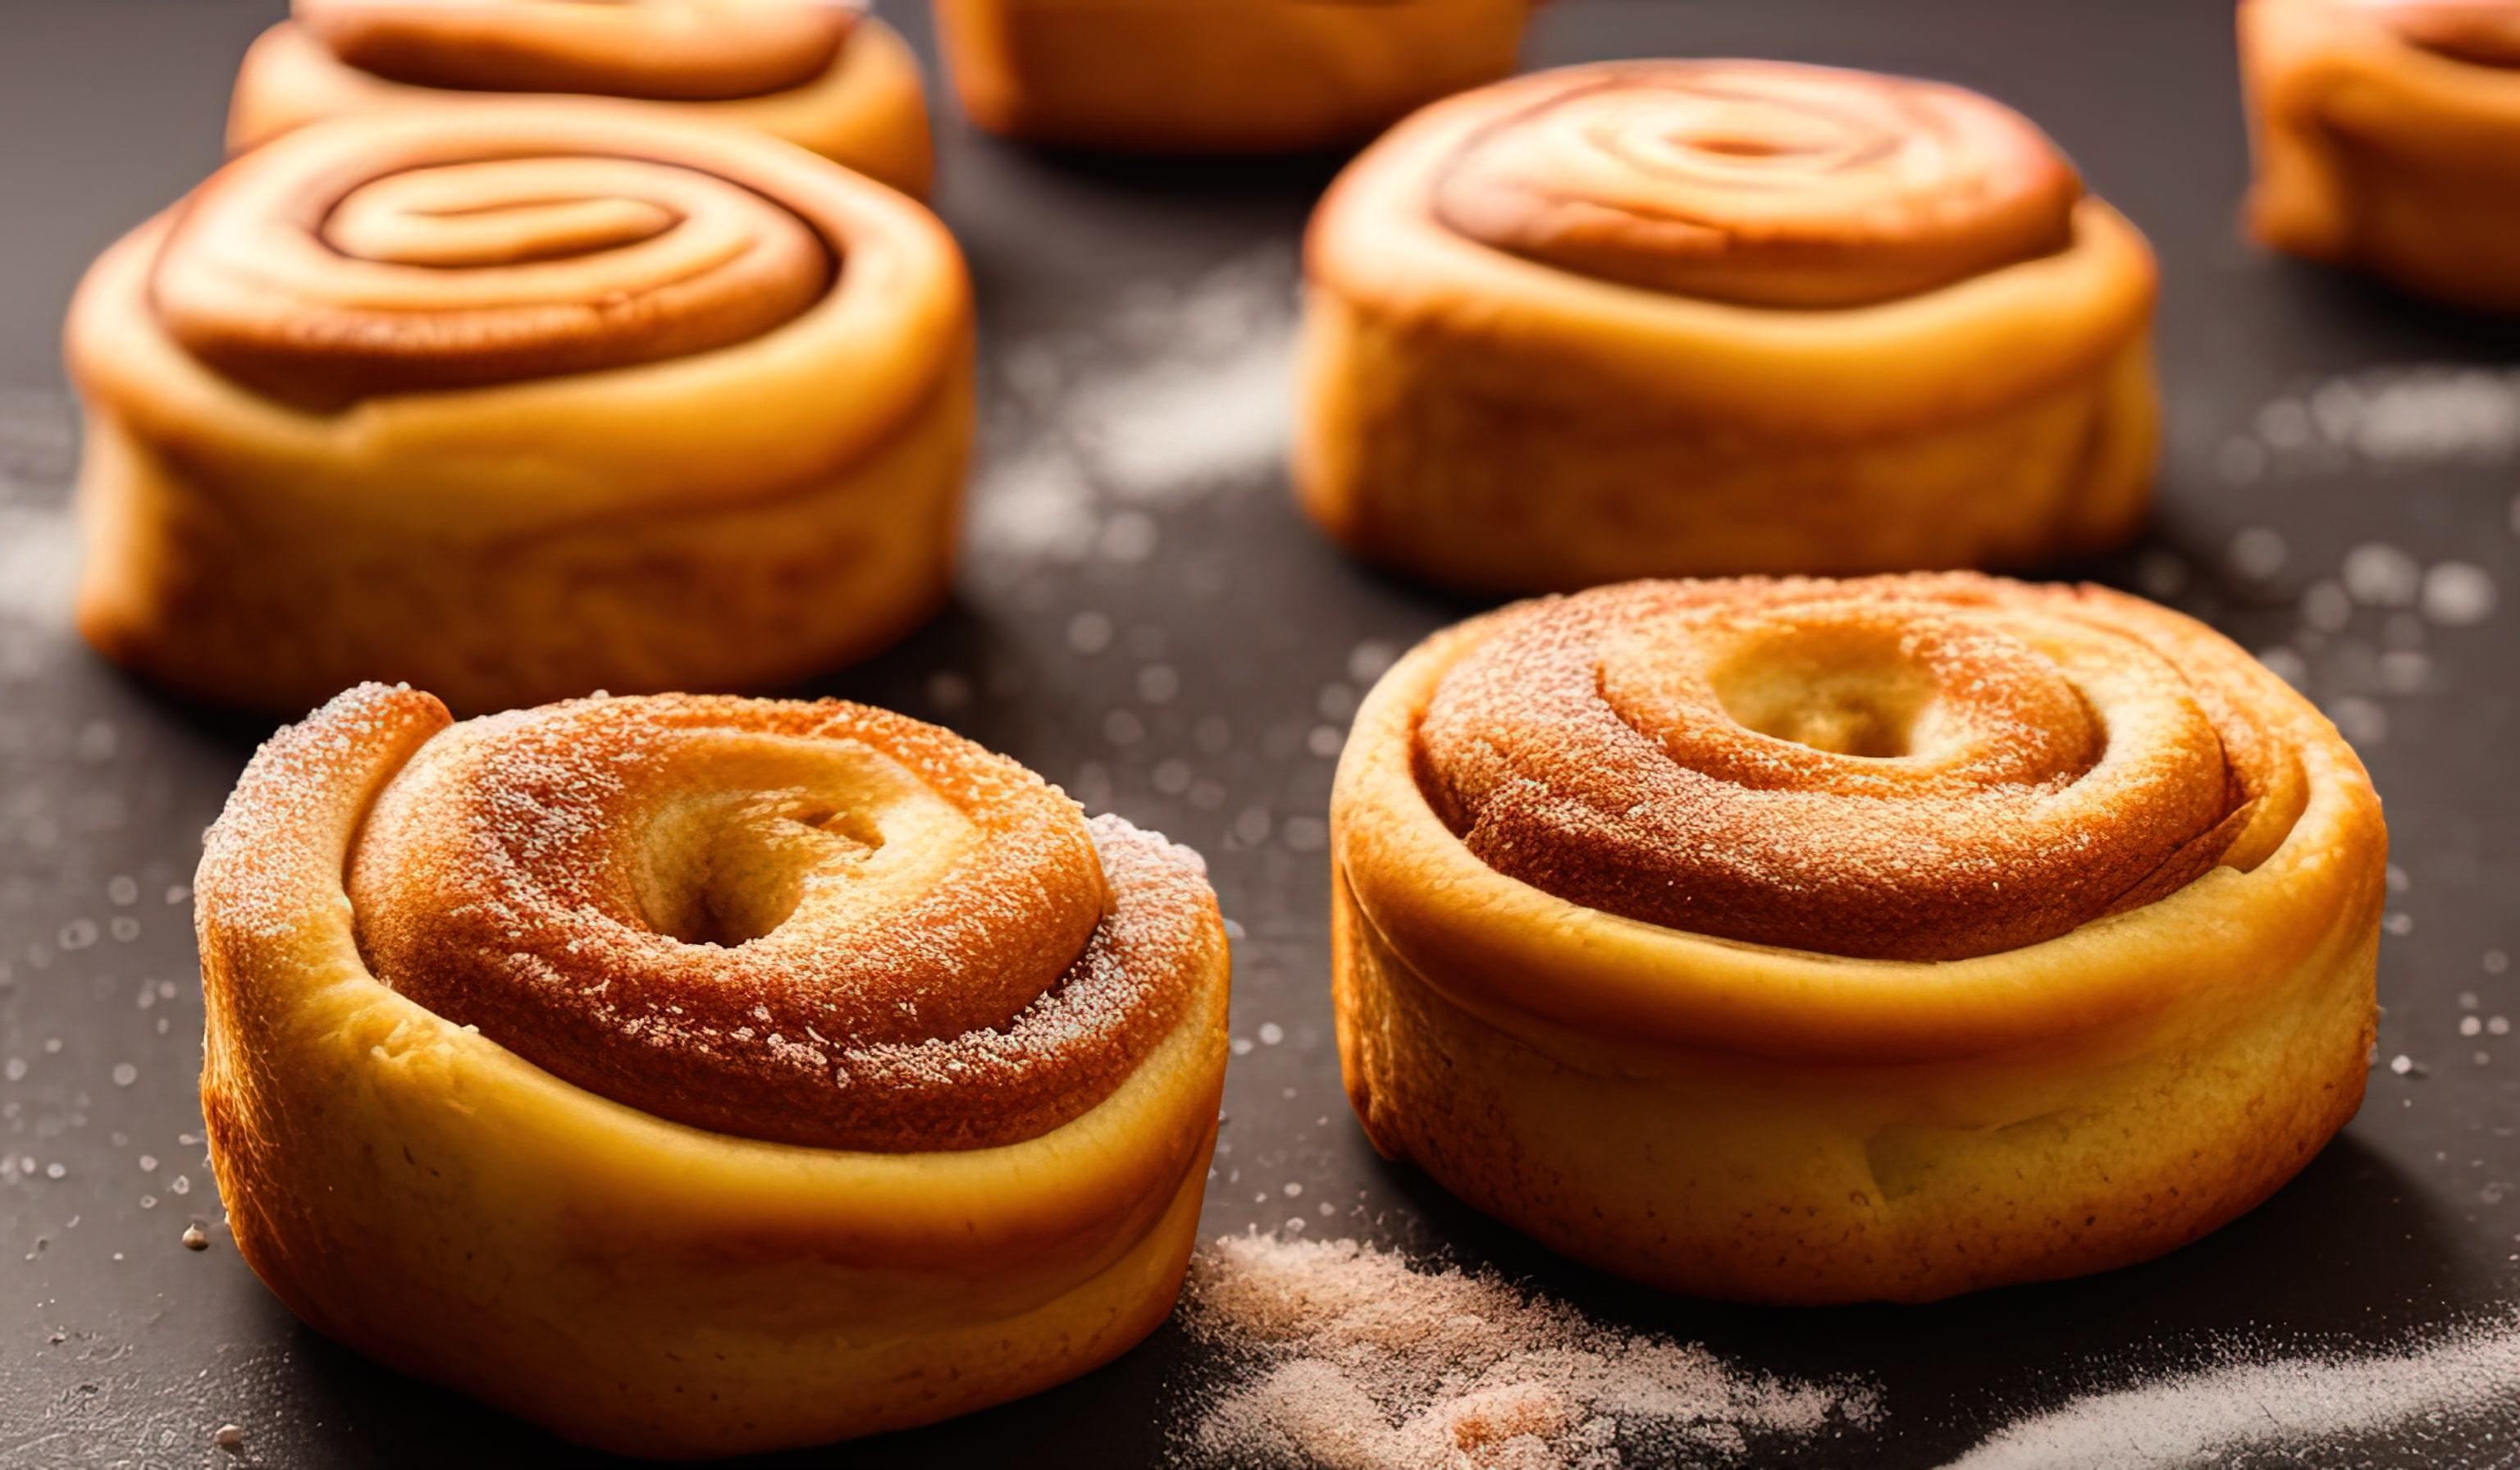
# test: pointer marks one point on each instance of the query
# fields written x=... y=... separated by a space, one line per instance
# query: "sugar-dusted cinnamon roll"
x=1217 y=75
x=1814 y=940
x=1661 y=318
x=2387 y=134
x=820 y=73
x=700 y=1075
x=518 y=402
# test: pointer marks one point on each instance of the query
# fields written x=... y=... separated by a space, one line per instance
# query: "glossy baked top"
x=1758 y=182
x=376 y=256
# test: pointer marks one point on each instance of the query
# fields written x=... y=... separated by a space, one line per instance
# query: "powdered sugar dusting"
x=2077 y=752
x=289 y=807
x=1349 y=1358
x=1072 y=460
x=38 y=545
x=2268 y=1402
x=815 y=923
x=2392 y=420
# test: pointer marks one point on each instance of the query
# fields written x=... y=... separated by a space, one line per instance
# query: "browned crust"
x=687 y=904
x=1759 y=182
x=400 y=261
x=1896 y=768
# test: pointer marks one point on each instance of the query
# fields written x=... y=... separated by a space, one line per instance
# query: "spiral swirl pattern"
x=812 y=923
x=360 y=262
x=1760 y=183
x=668 y=49
x=1925 y=768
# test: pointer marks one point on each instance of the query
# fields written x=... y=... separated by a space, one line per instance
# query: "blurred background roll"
x=515 y=402
x=1695 y=318
x=820 y=73
x=2387 y=138
x=1192 y=76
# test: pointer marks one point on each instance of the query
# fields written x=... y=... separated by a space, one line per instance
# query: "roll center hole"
x=745 y=877
x=1844 y=691
x=1738 y=145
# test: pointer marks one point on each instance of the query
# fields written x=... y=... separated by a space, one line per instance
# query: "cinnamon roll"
x=820 y=73
x=1665 y=318
x=514 y=403
x=695 y=1076
x=1217 y=75
x=2387 y=136
x=1814 y=940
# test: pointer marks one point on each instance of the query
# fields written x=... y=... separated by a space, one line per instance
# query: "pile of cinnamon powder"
x=1346 y=1358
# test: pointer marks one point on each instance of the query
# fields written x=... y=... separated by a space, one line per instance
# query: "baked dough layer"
x=704 y=514
x=1750 y=1120
x=419 y=1191
x=1493 y=419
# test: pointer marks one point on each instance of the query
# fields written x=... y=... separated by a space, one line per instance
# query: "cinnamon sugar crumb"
x=1347 y=1357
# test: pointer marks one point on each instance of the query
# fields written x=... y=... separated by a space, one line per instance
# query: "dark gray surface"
x=1144 y=619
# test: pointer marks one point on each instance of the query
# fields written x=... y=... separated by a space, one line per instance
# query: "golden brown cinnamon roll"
x=1217 y=75
x=517 y=403
x=1815 y=940
x=695 y=1076
x=820 y=73
x=2387 y=134
x=1658 y=318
